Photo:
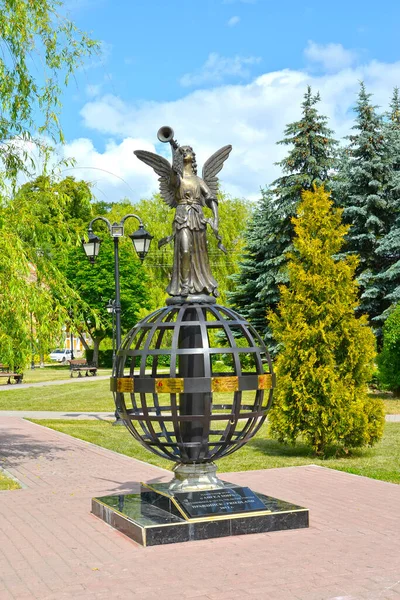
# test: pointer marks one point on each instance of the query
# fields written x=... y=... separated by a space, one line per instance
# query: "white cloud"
x=251 y=117
x=93 y=89
x=217 y=68
x=233 y=21
x=331 y=57
x=116 y=172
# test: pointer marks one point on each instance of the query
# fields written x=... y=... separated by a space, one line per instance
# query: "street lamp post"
x=141 y=240
x=32 y=345
x=71 y=343
x=111 y=310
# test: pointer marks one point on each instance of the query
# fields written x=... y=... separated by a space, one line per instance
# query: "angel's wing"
x=162 y=167
x=213 y=166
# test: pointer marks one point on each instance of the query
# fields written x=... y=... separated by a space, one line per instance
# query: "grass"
x=53 y=373
x=392 y=404
x=89 y=397
x=380 y=462
x=77 y=397
x=6 y=483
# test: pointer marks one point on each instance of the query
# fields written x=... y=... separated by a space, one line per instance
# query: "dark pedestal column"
x=192 y=365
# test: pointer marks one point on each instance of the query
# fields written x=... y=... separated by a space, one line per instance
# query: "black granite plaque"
x=140 y=517
x=224 y=501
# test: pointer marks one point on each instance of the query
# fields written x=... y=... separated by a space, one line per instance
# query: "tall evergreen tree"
x=388 y=247
x=269 y=237
x=326 y=353
x=362 y=190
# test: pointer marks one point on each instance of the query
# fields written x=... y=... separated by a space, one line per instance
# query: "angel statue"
x=181 y=188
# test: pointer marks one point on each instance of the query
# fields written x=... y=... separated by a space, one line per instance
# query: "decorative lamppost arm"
x=106 y=221
x=134 y=216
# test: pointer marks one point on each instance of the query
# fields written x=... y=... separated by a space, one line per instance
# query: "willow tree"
x=38 y=225
x=31 y=33
x=327 y=353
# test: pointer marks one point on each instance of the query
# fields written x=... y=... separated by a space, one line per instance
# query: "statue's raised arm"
x=181 y=188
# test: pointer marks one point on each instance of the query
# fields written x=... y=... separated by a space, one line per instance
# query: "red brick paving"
x=51 y=547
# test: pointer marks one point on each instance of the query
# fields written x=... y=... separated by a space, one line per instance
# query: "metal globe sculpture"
x=210 y=386
x=193 y=382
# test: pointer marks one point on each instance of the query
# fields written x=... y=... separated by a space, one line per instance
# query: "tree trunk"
x=96 y=345
x=84 y=342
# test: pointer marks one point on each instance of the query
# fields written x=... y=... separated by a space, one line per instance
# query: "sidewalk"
x=48 y=414
x=52 y=548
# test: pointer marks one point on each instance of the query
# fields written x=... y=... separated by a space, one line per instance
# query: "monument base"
x=160 y=516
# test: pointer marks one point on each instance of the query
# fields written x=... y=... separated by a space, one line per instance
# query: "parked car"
x=60 y=355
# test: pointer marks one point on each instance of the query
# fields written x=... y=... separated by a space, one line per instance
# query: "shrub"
x=389 y=358
x=327 y=353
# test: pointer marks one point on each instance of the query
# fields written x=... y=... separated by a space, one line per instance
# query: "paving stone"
x=53 y=548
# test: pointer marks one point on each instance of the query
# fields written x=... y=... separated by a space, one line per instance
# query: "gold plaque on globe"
x=169 y=385
x=265 y=382
x=225 y=384
x=125 y=384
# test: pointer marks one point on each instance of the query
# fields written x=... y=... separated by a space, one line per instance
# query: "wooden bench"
x=5 y=372
x=78 y=365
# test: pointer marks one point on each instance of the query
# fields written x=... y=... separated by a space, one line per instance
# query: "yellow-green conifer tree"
x=327 y=352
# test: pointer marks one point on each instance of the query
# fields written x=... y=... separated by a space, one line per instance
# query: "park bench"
x=80 y=364
x=7 y=374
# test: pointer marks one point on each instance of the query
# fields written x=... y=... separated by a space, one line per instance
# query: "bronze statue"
x=182 y=189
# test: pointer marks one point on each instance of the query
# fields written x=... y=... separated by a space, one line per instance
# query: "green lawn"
x=91 y=396
x=53 y=373
x=6 y=483
x=381 y=462
x=88 y=397
x=392 y=405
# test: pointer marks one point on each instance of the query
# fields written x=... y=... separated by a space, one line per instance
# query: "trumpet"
x=166 y=134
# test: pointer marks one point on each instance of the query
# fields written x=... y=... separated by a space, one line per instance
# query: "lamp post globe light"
x=141 y=242
x=193 y=382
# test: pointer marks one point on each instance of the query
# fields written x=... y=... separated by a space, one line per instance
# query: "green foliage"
x=37 y=226
x=389 y=358
x=105 y=359
x=269 y=236
x=32 y=222
x=387 y=280
x=362 y=190
x=326 y=353
x=34 y=33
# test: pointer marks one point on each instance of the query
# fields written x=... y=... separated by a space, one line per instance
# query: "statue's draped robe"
x=192 y=195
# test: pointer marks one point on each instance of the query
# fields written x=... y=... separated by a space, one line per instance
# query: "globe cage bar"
x=236 y=400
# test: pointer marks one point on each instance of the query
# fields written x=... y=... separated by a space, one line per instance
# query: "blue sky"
x=218 y=71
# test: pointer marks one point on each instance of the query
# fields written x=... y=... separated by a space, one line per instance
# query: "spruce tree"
x=326 y=353
x=362 y=190
x=388 y=247
x=269 y=237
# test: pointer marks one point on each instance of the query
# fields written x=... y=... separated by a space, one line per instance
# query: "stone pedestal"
x=159 y=515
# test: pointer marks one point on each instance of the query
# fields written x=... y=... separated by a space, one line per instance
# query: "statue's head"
x=184 y=155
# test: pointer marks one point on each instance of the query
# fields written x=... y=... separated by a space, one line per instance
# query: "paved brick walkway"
x=51 y=547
